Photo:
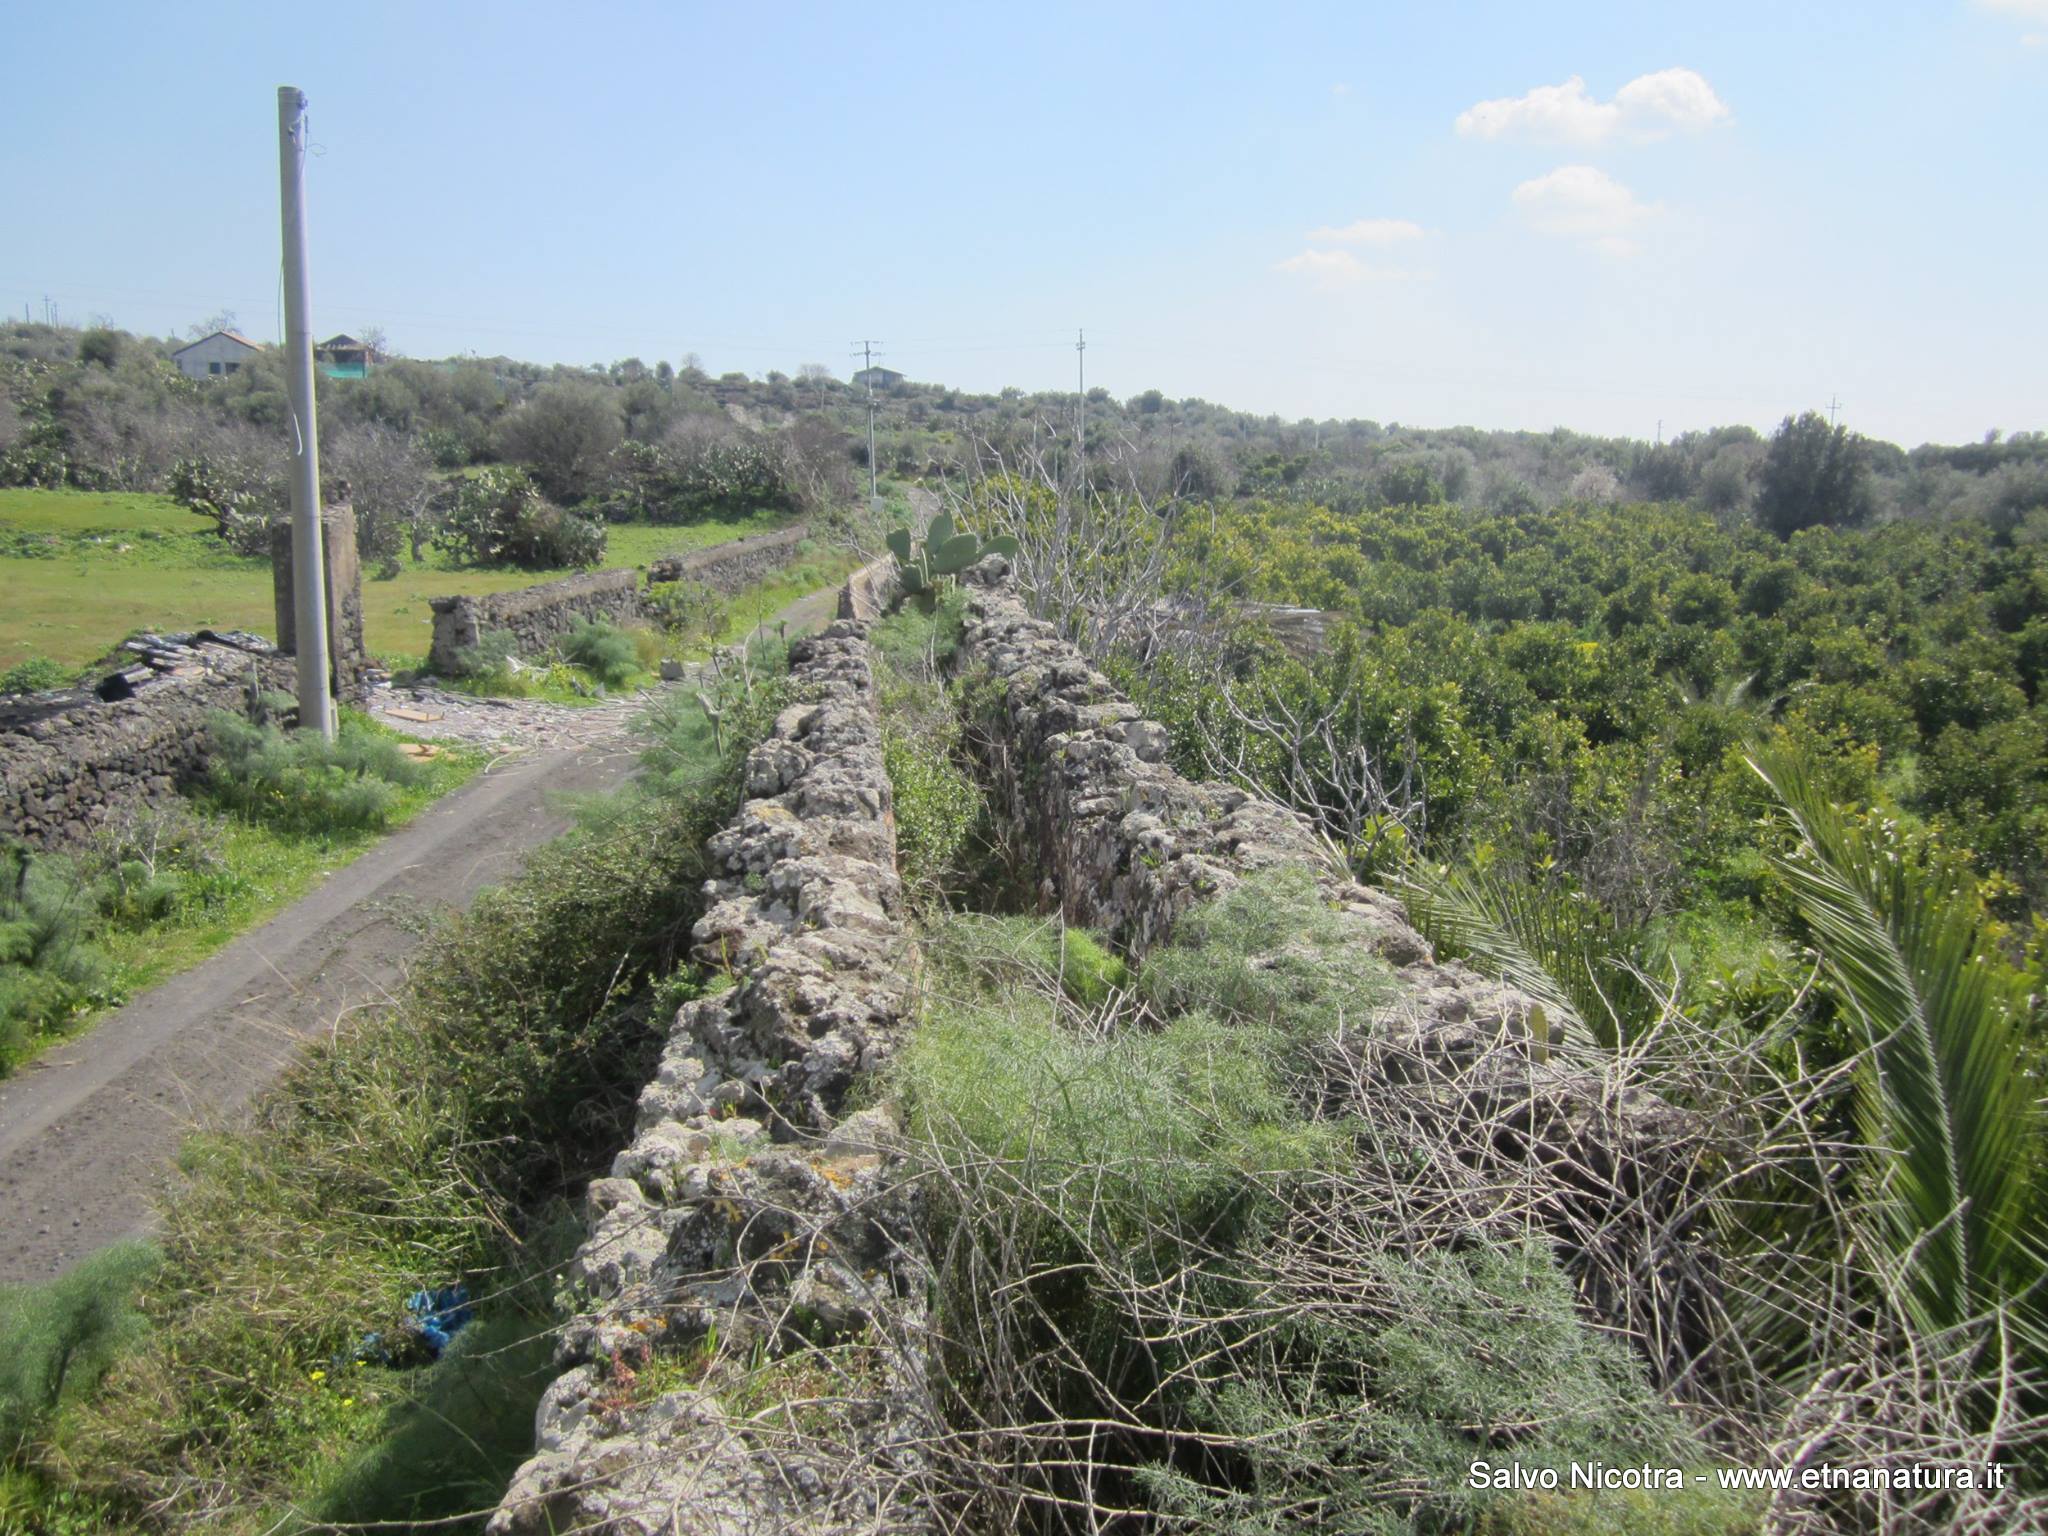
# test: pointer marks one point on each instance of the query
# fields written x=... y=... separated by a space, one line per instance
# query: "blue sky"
x=1403 y=212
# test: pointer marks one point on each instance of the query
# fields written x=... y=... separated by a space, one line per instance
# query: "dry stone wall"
x=539 y=617
x=747 y=1208
x=63 y=774
x=729 y=567
x=1127 y=845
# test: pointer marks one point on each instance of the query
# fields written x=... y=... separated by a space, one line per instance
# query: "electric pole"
x=1834 y=405
x=867 y=356
x=1081 y=402
x=309 y=573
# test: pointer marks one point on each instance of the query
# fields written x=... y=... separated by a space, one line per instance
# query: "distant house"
x=880 y=378
x=343 y=357
x=210 y=357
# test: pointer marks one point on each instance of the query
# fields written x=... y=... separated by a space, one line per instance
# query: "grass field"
x=80 y=571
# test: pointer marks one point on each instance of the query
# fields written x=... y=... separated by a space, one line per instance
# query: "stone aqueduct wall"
x=64 y=774
x=745 y=1203
x=538 y=617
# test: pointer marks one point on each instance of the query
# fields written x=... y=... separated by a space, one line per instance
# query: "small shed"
x=343 y=357
x=213 y=357
x=879 y=378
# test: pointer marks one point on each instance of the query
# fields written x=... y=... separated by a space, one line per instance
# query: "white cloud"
x=1370 y=232
x=1583 y=202
x=1332 y=270
x=1648 y=107
x=2034 y=40
x=2026 y=10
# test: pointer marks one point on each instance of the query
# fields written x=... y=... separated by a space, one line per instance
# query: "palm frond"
x=1942 y=1095
x=1554 y=945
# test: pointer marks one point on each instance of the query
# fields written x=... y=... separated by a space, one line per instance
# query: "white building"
x=214 y=356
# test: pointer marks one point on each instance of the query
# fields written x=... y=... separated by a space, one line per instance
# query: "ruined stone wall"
x=61 y=775
x=1127 y=845
x=538 y=617
x=745 y=1203
x=732 y=566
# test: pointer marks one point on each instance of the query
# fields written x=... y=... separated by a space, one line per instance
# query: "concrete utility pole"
x=309 y=567
x=1834 y=405
x=867 y=356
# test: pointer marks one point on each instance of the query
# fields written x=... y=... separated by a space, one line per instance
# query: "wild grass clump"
x=1270 y=952
x=605 y=651
x=423 y=1145
x=298 y=782
x=486 y=667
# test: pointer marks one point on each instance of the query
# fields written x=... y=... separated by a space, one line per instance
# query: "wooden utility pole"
x=309 y=567
x=1081 y=402
x=867 y=356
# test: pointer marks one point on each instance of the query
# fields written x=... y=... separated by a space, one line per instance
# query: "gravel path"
x=88 y=1131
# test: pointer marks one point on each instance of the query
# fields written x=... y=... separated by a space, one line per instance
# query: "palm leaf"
x=1942 y=1095
x=1550 y=944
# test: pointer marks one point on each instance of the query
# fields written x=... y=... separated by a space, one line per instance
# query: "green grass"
x=79 y=571
x=269 y=869
x=760 y=604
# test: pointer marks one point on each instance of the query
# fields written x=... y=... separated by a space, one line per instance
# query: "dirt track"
x=88 y=1132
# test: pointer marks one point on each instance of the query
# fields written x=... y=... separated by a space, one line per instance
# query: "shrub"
x=563 y=435
x=301 y=783
x=688 y=611
x=1269 y=953
x=500 y=518
x=1163 y=1281
x=57 y=1340
x=489 y=659
x=242 y=488
x=33 y=675
x=49 y=969
x=605 y=651
x=146 y=861
x=701 y=471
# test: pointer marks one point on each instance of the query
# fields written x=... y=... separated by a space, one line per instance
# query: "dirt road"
x=88 y=1132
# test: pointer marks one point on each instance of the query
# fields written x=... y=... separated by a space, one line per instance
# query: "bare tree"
x=391 y=483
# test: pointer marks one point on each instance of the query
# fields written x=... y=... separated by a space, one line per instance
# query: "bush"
x=241 y=488
x=1162 y=1279
x=564 y=435
x=605 y=651
x=49 y=969
x=58 y=1340
x=33 y=675
x=701 y=471
x=688 y=611
x=298 y=782
x=489 y=660
x=500 y=518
